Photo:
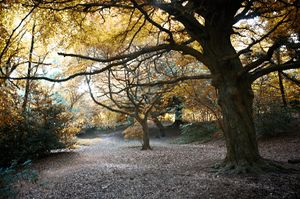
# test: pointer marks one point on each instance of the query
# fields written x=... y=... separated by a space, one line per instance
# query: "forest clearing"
x=113 y=168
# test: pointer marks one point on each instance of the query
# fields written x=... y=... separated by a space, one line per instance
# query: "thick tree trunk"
x=146 y=140
x=236 y=103
x=235 y=97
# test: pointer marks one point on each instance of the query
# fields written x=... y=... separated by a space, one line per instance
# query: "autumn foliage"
x=133 y=132
x=45 y=126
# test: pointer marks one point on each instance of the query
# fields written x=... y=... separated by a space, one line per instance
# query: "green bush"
x=13 y=173
x=197 y=132
x=272 y=121
x=34 y=135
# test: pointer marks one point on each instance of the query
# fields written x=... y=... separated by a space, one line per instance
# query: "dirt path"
x=112 y=168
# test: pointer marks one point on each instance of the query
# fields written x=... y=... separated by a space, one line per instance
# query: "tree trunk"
x=236 y=102
x=146 y=140
x=178 y=117
x=281 y=86
x=235 y=97
x=27 y=86
x=280 y=80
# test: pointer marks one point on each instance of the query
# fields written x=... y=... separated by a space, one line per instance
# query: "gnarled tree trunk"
x=235 y=97
x=236 y=103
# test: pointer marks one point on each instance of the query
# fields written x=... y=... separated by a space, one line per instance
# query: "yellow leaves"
x=9 y=113
x=133 y=132
x=105 y=118
x=70 y=132
x=267 y=88
x=77 y=66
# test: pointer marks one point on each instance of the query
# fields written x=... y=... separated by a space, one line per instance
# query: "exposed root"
x=259 y=167
x=144 y=148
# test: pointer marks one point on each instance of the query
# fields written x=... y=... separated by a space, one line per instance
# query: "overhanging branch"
x=129 y=56
x=269 y=54
x=102 y=104
x=173 y=81
x=286 y=66
x=95 y=72
x=292 y=79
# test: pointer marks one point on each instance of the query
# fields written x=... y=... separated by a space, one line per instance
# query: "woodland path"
x=112 y=168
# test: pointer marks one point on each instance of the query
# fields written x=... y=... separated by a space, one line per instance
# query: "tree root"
x=259 y=167
x=144 y=148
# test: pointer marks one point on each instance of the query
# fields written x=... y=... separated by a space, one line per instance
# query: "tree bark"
x=27 y=86
x=236 y=105
x=146 y=140
x=281 y=86
x=235 y=97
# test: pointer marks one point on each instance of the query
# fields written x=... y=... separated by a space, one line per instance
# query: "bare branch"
x=130 y=56
x=173 y=81
x=8 y=42
x=102 y=104
x=246 y=50
x=147 y=17
x=277 y=44
x=286 y=66
x=292 y=79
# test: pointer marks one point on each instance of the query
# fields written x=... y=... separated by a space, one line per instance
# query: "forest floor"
x=106 y=166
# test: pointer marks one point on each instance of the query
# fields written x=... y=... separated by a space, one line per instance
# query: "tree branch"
x=247 y=49
x=286 y=66
x=292 y=79
x=277 y=44
x=101 y=104
x=179 y=79
x=147 y=17
x=8 y=42
x=129 y=56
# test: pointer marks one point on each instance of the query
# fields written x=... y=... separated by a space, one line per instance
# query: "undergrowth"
x=10 y=175
x=197 y=132
x=272 y=121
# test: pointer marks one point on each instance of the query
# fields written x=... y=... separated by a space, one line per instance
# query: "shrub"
x=197 y=132
x=45 y=126
x=13 y=173
x=272 y=121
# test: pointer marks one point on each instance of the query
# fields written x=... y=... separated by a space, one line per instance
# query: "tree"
x=118 y=92
x=207 y=31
